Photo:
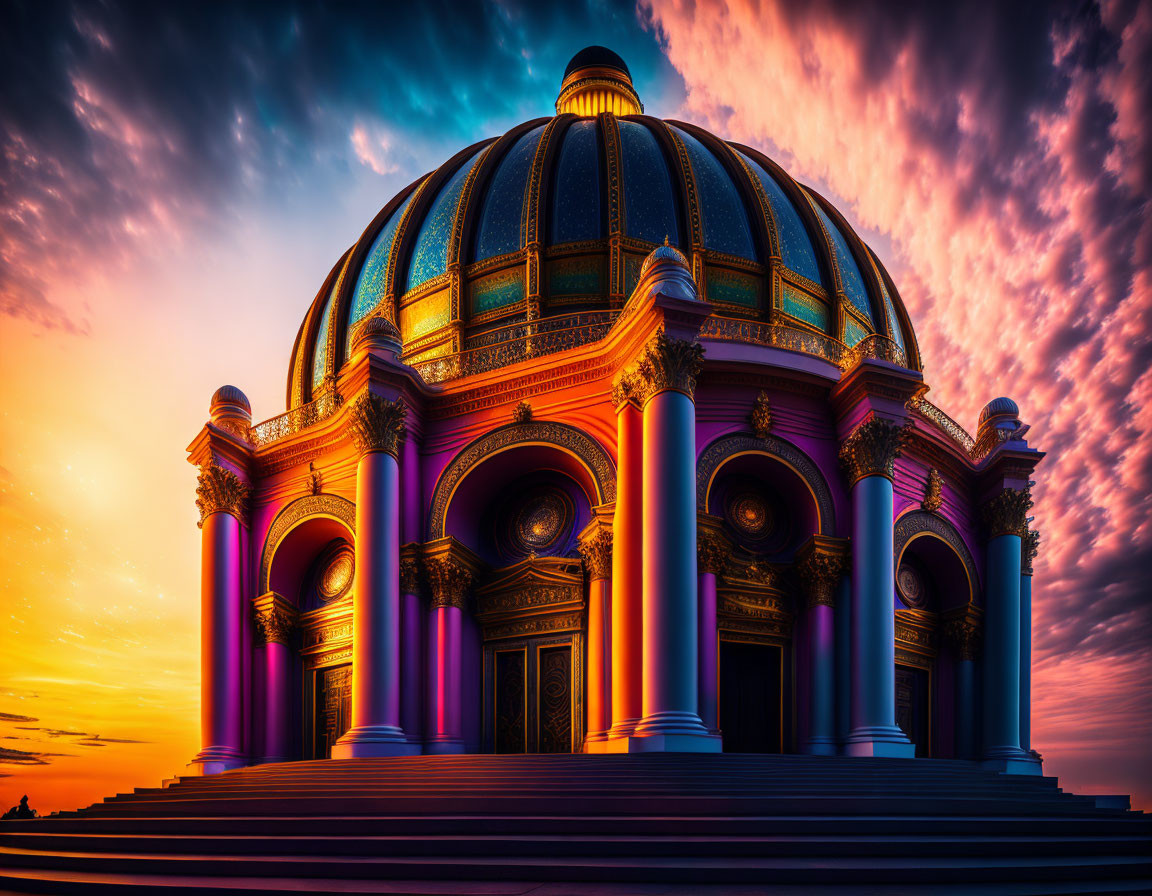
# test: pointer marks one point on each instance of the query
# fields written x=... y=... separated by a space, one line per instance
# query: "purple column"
x=274 y=632
x=450 y=582
x=821 y=564
x=412 y=666
x=376 y=426
x=712 y=552
x=222 y=499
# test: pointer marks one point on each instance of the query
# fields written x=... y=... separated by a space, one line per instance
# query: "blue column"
x=873 y=632
x=965 y=709
x=1002 y=651
x=843 y=660
x=821 y=681
x=1026 y=661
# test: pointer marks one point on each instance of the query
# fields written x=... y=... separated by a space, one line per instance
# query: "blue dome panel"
x=649 y=207
x=430 y=254
x=576 y=194
x=849 y=271
x=370 y=286
x=889 y=306
x=320 y=349
x=796 y=249
x=502 y=213
x=722 y=213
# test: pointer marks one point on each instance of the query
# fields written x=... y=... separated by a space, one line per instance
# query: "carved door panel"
x=511 y=724
x=332 y=700
x=555 y=700
x=912 y=707
x=750 y=698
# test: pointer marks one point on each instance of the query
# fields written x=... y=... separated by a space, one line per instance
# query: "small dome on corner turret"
x=667 y=253
x=229 y=400
x=1000 y=409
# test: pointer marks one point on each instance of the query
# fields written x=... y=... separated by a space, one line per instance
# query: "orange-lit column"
x=377 y=426
x=627 y=582
x=222 y=499
x=596 y=546
x=450 y=582
x=667 y=375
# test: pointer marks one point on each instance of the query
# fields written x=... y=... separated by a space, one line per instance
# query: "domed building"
x=607 y=435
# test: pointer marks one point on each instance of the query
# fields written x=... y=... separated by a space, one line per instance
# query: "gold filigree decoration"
x=522 y=413
x=410 y=569
x=917 y=523
x=713 y=552
x=449 y=581
x=331 y=506
x=872 y=450
x=1029 y=548
x=1007 y=512
x=716 y=454
x=376 y=424
x=563 y=436
x=965 y=638
x=667 y=364
x=761 y=417
x=762 y=574
x=220 y=490
x=933 y=491
x=597 y=554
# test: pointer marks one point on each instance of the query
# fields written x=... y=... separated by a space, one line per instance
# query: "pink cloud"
x=1011 y=179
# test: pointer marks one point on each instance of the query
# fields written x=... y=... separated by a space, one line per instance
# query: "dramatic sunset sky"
x=177 y=179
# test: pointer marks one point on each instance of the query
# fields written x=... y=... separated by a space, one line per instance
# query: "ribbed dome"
x=558 y=214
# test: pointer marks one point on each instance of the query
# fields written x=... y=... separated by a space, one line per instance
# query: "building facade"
x=608 y=436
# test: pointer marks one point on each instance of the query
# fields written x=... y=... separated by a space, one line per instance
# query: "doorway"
x=751 y=706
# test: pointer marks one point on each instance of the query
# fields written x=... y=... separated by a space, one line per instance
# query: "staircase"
x=589 y=824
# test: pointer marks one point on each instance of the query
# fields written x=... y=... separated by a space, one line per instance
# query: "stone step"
x=540 y=844
x=692 y=869
x=1129 y=824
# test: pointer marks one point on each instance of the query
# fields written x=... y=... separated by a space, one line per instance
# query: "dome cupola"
x=595 y=81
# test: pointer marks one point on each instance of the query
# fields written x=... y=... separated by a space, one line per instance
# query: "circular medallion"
x=750 y=514
x=336 y=576
x=539 y=521
x=911 y=586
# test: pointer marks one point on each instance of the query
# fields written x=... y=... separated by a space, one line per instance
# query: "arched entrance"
x=518 y=498
x=766 y=498
x=936 y=588
x=308 y=564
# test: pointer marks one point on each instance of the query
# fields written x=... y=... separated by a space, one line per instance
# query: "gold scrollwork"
x=933 y=491
x=760 y=419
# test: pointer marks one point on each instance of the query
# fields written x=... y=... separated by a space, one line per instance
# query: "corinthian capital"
x=275 y=621
x=450 y=581
x=218 y=489
x=1007 y=512
x=965 y=638
x=821 y=563
x=376 y=424
x=872 y=450
x=667 y=364
x=712 y=551
x=597 y=554
x=1029 y=548
x=410 y=569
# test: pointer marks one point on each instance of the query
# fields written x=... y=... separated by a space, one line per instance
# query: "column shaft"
x=1026 y=662
x=412 y=667
x=965 y=709
x=669 y=596
x=821 y=681
x=627 y=578
x=843 y=636
x=275 y=660
x=376 y=614
x=221 y=609
x=874 y=730
x=1002 y=651
x=445 y=718
x=707 y=665
x=599 y=651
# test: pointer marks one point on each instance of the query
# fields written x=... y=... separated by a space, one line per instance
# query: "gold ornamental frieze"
x=535 y=625
x=916 y=630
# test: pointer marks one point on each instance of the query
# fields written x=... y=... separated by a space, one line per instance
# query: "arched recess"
x=918 y=524
x=592 y=463
x=727 y=449
x=319 y=507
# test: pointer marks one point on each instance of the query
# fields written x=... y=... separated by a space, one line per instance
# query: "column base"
x=596 y=742
x=444 y=747
x=880 y=740
x=820 y=746
x=214 y=760
x=622 y=729
x=667 y=732
x=372 y=741
x=1024 y=766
